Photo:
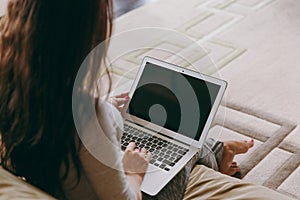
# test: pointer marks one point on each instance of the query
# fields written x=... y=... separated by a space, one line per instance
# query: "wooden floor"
x=123 y=6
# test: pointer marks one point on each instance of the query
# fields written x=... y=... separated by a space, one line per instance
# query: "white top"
x=102 y=176
x=3 y=6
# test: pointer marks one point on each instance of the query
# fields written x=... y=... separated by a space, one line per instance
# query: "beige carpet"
x=255 y=45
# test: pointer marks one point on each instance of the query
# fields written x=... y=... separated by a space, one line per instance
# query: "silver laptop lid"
x=176 y=102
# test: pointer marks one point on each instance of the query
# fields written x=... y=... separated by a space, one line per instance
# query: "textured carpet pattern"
x=239 y=36
x=271 y=161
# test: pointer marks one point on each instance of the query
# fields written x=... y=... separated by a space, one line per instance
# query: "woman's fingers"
x=131 y=146
x=143 y=150
x=137 y=150
x=136 y=160
x=123 y=95
x=120 y=101
x=148 y=156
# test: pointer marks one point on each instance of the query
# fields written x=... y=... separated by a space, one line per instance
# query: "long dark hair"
x=42 y=44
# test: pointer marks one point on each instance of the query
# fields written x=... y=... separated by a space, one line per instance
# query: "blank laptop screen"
x=173 y=100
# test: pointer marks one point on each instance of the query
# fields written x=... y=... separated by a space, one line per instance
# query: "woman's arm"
x=135 y=182
x=109 y=174
x=135 y=162
x=106 y=182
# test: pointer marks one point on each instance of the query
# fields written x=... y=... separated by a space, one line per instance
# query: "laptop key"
x=178 y=156
x=154 y=137
x=164 y=150
x=135 y=133
x=145 y=137
x=177 y=159
x=182 y=152
x=156 y=152
x=170 y=147
x=158 y=147
x=174 y=154
x=160 y=159
x=168 y=152
x=167 y=162
x=152 y=161
x=148 y=144
x=134 y=138
x=161 y=154
x=162 y=166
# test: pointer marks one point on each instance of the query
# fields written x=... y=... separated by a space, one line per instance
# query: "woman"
x=42 y=44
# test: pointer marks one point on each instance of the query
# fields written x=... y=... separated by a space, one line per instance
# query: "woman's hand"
x=119 y=100
x=135 y=161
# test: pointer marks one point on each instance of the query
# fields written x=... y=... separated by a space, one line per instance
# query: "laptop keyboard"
x=164 y=153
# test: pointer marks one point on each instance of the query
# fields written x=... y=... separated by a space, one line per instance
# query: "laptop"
x=169 y=113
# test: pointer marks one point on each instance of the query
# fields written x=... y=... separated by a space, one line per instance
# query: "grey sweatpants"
x=210 y=155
